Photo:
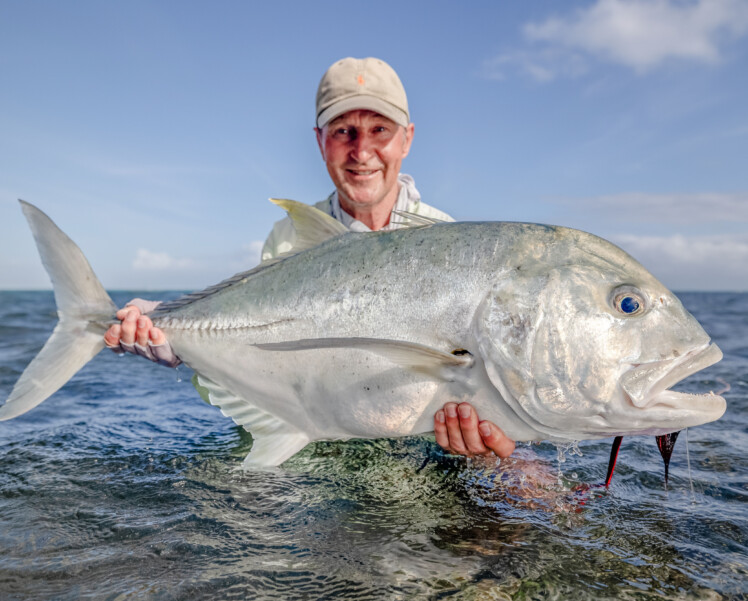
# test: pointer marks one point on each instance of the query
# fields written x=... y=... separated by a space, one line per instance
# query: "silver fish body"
x=550 y=332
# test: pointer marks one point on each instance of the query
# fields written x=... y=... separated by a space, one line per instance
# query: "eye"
x=628 y=301
x=629 y=304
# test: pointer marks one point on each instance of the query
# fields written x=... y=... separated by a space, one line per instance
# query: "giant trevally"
x=550 y=332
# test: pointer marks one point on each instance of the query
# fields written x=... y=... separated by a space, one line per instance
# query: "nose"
x=362 y=147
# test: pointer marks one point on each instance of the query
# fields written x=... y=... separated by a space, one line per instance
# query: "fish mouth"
x=647 y=387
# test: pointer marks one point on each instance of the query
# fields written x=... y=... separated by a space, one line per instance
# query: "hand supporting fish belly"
x=458 y=431
x=551 y=332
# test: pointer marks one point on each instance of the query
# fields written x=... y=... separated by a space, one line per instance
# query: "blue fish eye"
x=629 y=305
x=628 y=300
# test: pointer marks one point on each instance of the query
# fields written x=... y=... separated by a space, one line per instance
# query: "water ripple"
x=118 y=490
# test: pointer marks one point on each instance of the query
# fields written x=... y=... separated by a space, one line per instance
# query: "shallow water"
x=124 y=485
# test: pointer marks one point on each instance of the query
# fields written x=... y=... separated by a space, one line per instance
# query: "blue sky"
x=154 y=132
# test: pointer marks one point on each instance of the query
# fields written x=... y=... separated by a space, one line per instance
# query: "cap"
x=361 y=83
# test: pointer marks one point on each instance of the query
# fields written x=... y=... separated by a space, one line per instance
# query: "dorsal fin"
x=313 y=227
x=187 y=299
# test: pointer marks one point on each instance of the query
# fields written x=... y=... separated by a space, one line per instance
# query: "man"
x=364 y=132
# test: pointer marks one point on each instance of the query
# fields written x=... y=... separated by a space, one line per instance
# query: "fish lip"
x=647 y=386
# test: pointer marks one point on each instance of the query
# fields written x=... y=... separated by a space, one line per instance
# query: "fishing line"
x=725 y=386
x=688 y=463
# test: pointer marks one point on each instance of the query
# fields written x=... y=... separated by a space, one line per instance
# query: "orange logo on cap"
x=360 y=80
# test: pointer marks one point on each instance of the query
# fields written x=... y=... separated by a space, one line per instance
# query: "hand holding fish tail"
x=137 y=334
x=459 y=431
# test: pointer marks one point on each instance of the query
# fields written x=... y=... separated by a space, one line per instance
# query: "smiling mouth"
x=362 y=172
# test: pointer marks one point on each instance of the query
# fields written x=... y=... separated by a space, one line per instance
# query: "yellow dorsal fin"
x=313 y=227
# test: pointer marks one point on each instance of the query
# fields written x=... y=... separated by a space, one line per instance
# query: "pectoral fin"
x=409 y=355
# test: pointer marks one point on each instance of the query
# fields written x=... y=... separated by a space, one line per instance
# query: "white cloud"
x=252 y=253
x=692 y=262
x=638 y=34
x=542 y=65
x=705 y=207
x=162 y=271
x=147 y=260
x=695 y=241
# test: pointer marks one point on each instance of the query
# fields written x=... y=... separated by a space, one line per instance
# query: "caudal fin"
x=83 y=307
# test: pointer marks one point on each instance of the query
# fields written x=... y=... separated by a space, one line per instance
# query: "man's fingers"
x=125 y=311
x=142 y=333
x=129 y=327
x=157 y=336
x=161 y=349
x=440 y=430
x=454 y=431
x=136 y=334
x=111 y=338
x=495 y=439
x=458 y=430
x=469 y=430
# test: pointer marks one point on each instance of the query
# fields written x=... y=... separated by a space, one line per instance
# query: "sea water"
x=125 y=485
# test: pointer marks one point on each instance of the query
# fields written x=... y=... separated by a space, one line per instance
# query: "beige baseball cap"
x=361 y=83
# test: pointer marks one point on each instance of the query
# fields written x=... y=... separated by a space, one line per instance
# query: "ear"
x=409 y=133
x=318 y=132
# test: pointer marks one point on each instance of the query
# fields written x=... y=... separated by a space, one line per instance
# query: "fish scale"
x=550 y=332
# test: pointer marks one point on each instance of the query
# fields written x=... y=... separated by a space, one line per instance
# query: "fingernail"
x=440 y=417
x=141 y=322
x=485 y=429
x=450 y=411
x=465 y=411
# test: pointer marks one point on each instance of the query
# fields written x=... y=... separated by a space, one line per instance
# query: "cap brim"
x=363 y=102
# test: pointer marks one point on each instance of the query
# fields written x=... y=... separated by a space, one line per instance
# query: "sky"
x=154 y=132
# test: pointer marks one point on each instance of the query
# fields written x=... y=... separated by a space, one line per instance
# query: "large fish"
x=550 y=332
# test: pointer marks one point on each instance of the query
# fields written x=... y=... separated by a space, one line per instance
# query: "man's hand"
x=137 y=334
x=458 y=431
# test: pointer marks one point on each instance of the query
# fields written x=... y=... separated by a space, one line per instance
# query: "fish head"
x=590 y=348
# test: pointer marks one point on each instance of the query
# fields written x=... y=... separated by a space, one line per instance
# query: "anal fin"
x=273 y=440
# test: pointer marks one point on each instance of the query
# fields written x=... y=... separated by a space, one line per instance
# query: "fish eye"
x=629 y=304
x=628 y=301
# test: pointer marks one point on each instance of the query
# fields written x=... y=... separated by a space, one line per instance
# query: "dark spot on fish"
x=676 y=353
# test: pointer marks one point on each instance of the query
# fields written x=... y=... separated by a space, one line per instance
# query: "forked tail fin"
x=83 y=308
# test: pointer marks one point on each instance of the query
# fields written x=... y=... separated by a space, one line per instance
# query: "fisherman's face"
x=363 y=152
